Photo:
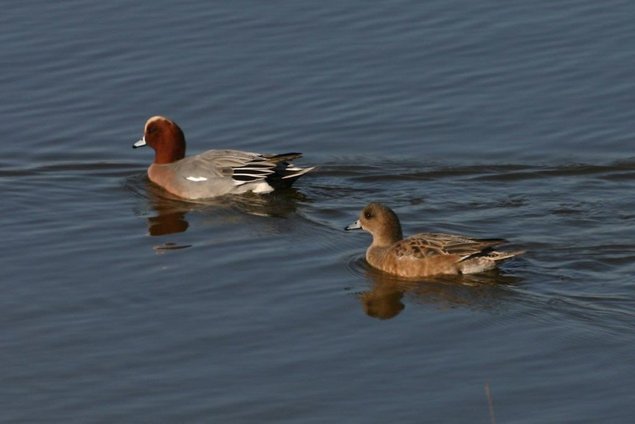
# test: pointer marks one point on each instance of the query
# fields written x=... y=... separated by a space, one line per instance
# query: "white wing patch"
x=262 y=188
x=196 y=179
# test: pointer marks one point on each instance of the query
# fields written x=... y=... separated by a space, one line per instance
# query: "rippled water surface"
x=121 y=304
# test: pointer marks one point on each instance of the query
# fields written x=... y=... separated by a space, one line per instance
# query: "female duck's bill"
x=214 y=172
x=354 y=226
x=424 y=254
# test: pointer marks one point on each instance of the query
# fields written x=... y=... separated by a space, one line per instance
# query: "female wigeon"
x=424 y=254
x=214 y=172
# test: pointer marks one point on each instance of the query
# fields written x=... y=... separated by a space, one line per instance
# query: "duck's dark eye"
x=151 y=129
x=368 y=214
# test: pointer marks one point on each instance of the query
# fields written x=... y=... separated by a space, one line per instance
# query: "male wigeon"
x=214 y=172
x=424 y=254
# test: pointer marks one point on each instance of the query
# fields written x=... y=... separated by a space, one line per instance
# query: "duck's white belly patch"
x=196 y=179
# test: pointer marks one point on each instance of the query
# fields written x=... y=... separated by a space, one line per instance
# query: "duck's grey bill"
x=139 y=143
x=354 y=226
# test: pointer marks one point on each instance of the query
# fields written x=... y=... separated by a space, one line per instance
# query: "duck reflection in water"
x=171 y=211
x=170 y=217
x=385 y=299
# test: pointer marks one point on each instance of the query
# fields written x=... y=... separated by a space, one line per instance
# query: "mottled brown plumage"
x=424 y=254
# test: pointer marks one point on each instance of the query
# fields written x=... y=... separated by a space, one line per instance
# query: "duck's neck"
x=388 y=237
x=168 y=152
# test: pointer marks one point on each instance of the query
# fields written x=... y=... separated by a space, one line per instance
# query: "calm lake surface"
x=490 y=119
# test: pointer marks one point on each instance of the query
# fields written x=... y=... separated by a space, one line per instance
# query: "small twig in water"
x=490 y=403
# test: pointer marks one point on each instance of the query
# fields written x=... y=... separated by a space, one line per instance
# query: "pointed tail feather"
x=285 y=177
x=285 y=172
x=295 y=172
x=501 y=256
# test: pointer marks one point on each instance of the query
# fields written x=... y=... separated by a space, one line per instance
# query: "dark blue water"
x=514 y=120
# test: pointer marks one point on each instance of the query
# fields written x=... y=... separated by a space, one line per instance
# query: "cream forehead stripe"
x=151 y=120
